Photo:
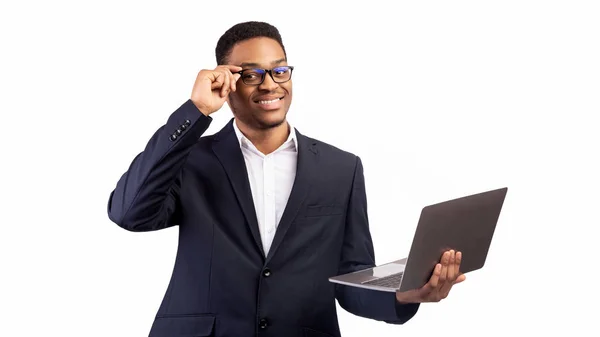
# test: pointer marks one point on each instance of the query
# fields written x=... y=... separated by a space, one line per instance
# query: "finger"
x=428 y=291
x=232 y=70
x=444 y=273
x=237 y=76
x=226 y=83
x=457 y=261
x=217 y=80
x=230 y=79
x=434 y=280
x=233 y=81
x=231 y=67
x=444 y=284
x=460 y=278
x=451 y=267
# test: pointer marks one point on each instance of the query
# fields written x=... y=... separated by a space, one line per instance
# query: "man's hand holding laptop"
x=445 y=275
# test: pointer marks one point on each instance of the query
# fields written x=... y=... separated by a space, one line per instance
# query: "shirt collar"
x=245 y=142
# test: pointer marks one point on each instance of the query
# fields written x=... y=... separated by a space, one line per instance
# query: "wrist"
x=202 y=109
x=403 y=299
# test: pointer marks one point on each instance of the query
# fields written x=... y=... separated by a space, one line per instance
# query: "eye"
x=252 y=74
x=280 y=70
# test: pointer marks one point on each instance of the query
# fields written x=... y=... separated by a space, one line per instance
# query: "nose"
x=268 y=84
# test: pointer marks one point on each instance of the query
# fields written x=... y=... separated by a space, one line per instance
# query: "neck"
x=265 y=140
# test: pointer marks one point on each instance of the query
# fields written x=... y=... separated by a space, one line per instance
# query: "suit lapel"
x=305 y=169
x=227 y=149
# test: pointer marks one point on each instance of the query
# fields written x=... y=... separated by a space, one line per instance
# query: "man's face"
x=266 y=105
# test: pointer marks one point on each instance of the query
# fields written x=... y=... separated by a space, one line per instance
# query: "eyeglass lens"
x=256 y=76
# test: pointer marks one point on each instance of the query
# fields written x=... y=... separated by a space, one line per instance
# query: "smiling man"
x=265 y=214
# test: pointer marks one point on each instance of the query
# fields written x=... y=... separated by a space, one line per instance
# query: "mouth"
x=271 y=103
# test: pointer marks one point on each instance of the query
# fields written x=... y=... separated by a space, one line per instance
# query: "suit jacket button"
x=173 y=137
x=267 y=272
x=178 y=131
x=263 y=323
x=187 y=122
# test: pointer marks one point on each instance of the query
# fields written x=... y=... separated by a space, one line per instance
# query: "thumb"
x=460 y=279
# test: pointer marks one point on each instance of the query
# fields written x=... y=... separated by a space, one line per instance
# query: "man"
x=265 y=214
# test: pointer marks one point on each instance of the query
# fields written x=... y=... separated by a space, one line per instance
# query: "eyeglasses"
x=257 y=76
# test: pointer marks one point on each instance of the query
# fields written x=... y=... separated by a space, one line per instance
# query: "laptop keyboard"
x=390 y=281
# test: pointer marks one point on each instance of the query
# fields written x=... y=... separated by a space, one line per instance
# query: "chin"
x=269 y=121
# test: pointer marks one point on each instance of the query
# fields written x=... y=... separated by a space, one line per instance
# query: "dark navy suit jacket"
x=222 y=283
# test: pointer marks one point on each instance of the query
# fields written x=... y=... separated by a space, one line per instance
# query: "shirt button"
x=271 y=230
x=263 y=323
x=267 y=272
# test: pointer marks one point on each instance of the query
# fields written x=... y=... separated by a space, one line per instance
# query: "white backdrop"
x=439 y=98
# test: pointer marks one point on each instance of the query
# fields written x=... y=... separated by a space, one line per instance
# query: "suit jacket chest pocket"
x=324 y=210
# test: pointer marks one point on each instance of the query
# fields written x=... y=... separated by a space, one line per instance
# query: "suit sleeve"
x=145 y=196
x=358 y=254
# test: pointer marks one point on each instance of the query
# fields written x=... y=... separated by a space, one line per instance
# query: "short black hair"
x=244 y=31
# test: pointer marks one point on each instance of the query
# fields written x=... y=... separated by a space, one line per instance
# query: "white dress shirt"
x=271 y=178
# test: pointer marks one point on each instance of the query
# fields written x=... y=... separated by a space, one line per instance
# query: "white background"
x=439 y=98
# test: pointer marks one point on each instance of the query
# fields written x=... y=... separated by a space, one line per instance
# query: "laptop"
x=465 y=224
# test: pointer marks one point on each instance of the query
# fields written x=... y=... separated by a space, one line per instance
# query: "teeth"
x=269 y=102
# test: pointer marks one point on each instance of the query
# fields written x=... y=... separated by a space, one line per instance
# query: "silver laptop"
x=465 y=224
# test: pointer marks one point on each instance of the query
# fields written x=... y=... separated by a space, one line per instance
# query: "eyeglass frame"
x=267 y=71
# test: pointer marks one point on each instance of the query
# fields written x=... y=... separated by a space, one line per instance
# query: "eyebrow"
x=256 y=65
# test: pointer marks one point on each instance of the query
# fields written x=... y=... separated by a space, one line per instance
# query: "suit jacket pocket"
x=324 y=210
x=183 y=326
x=314 y=333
